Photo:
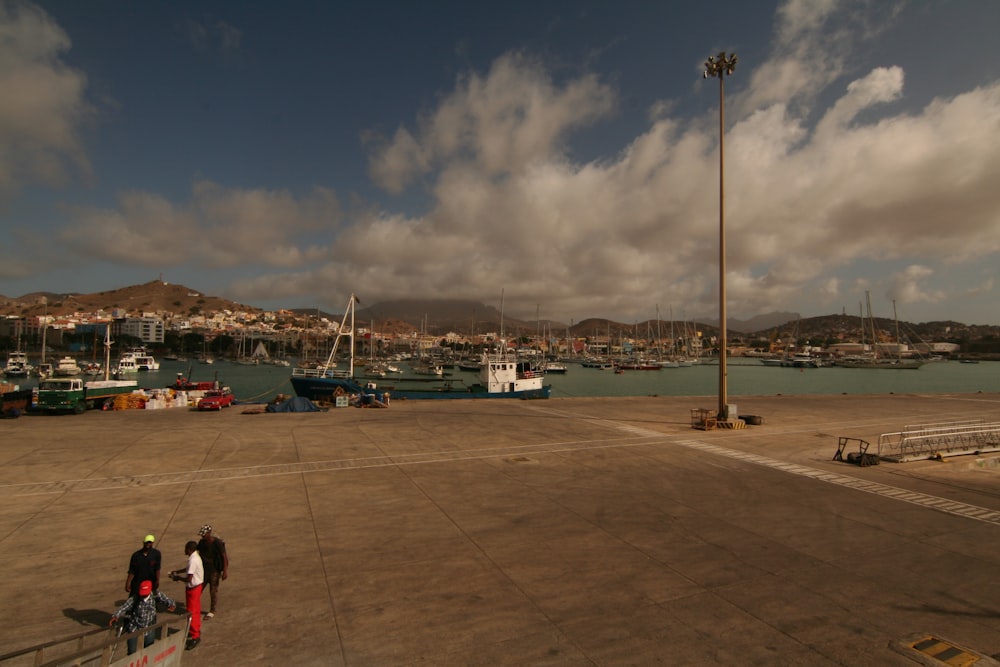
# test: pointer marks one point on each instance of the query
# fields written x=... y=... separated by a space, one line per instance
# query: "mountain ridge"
x=441 y=316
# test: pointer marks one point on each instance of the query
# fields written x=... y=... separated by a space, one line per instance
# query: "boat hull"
x=326 y=389
x=882 y=365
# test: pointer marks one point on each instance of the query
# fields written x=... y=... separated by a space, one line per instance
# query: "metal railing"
x=102 y=646
x=927 y=441
x=320 y=372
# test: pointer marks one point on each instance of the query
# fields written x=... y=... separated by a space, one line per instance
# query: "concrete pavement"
x=577 y=531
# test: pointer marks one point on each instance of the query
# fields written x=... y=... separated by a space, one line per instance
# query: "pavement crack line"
x=388 y=460
x=945 y=505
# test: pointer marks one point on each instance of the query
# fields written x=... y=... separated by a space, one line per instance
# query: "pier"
x=584 y=531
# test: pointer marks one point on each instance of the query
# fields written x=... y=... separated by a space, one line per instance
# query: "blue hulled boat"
x=500 y=376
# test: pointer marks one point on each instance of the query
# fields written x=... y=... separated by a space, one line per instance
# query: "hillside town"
x=175 y=321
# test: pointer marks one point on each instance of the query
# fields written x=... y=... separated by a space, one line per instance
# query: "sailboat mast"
x=673 y=343
x=871 y=321
x=899 y=351
x=351 y=364
x=107 y=351
x=659 y=338
x=45 y=324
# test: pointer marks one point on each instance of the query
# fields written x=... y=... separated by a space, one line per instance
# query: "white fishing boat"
x=146 y=362
x=126 y=365
x=500 y=376
x=66 y=367
x=17 y=365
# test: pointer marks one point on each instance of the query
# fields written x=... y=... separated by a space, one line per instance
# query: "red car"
x=216 y=399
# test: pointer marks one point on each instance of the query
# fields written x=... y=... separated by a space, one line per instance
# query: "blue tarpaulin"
x=296 y=404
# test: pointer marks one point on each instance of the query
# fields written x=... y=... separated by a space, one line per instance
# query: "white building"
x=146 y=329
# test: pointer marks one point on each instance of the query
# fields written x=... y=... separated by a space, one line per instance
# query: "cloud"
x=511 y=209
x=905 y=287
x=641 y=228
x=813 y=43
x=984 y=287
x=43 y=107
x=498 y=123
x=830 y=171
x=219 y=36
x=219 y=227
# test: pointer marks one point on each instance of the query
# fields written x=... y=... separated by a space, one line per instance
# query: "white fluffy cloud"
x=642 y=228
x=220 y=227
x=42 y=106
x=498 y=124
x=827 y=167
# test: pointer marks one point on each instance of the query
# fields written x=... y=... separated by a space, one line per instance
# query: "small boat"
x=639 y=365
x=555 y=367
x=803 y=360
x=796 y=360
x=17 y=365
x=126 y=365
x=66 y=367
x=427 y=368
x=146 y=362
x=184 y=383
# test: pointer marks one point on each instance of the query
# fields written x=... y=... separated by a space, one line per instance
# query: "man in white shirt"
x=193 y=577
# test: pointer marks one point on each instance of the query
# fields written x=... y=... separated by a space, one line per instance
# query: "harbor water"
x=746 y=377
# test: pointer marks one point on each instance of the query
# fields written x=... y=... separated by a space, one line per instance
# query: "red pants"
x=192 y=598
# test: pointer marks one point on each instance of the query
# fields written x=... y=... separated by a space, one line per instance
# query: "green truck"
x=70 y=393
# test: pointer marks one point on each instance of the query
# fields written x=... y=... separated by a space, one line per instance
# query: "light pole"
x=720 y=66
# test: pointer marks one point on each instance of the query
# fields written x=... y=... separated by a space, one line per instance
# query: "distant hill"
x=149 y=297
x=440 y=316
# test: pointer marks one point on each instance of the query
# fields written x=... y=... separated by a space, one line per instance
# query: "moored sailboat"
x=874 y=359
x=500 y=376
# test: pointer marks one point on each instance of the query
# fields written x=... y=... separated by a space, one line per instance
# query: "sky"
x=562 y=156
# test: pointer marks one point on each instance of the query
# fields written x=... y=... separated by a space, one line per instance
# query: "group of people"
x=207 y=566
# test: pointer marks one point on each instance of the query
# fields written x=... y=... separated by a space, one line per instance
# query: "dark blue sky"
x=288 y=154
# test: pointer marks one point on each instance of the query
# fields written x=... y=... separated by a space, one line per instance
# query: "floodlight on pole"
x=720 y=66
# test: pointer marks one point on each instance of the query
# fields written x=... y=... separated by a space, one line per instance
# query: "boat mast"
x=861 y=318
x=899 y=351
x=45 y=323
x=673 y=342
x=107 y=351
x=503 y=343
x=659 y=338
x=871 y=321
x=351 y=306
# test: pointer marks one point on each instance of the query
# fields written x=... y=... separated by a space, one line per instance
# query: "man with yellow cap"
x=144 y=566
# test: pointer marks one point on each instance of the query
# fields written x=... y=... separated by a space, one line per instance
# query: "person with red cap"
x=143 y=613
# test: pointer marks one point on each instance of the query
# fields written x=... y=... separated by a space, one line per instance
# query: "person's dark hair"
x=191 y=546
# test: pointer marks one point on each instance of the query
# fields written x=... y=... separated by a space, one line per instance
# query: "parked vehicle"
x=216 y=399
x=56 y=394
